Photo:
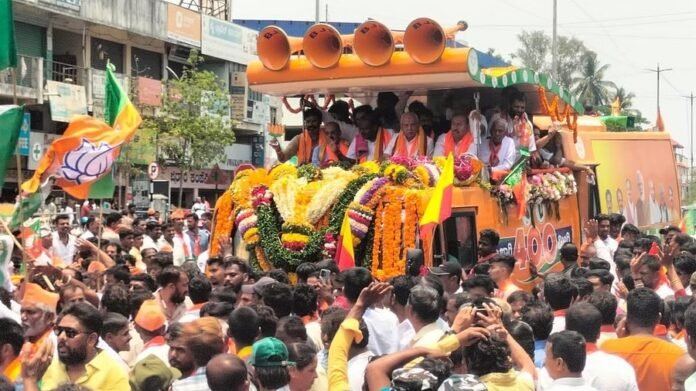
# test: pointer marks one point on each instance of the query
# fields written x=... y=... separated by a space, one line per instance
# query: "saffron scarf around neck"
x=401 y=145
x=457 y=148
x=306 y=147
x=362 y=151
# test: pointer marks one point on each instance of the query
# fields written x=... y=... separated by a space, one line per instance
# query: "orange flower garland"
x=391 y=233
x=261 y=259
x=410 y=221
x=377 y=242
x=223 y=221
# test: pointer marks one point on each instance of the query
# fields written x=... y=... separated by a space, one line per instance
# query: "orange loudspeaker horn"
x=424 y=39
x=373 y=42
x=274 y=47
x=323 y=45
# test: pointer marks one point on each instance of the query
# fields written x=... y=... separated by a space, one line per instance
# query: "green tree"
x=570 y=52
x=589 y=86
x=625 y=99
x=193 y=126
x=534 y=51
x=491 y=52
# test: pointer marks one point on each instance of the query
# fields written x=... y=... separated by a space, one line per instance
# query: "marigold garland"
x=379 y=229
x=224 y=223
x=411 y=201
x=263 y=263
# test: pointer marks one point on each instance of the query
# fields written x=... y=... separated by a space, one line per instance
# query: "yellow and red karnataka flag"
x=345 y=256
x=88 y=148
x=440 y=205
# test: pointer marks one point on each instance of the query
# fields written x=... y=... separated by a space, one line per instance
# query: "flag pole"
x=20 y=178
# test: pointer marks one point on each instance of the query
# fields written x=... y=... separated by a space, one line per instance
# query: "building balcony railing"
x=29 y=73
x=67 y=73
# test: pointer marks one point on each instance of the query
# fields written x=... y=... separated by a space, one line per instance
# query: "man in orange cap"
x=38 y=314
x=151 y=324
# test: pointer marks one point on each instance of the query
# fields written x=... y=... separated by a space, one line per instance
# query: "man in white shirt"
x=647 y=274
x=381 y=322
x=423 y=311
x=91 y=228
x=411 y=141
x=63 y=243
x=371 y=141
x=498 y=152
x=604 y=371
x=565 y=362
x=598 y=231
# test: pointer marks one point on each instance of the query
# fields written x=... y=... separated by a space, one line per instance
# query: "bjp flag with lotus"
x=88 y=148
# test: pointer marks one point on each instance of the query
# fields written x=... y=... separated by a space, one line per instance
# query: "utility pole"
x=658 y=71
x=554 y=41
x=317 y=11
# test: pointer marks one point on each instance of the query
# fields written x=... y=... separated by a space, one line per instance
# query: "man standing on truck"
x=519 y=127
x=371 y=141
x=499 y=151
x=411 y=140
x=458 y=141
x=303 y=144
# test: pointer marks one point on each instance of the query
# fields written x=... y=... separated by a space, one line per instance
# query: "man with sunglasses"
x=79 y=360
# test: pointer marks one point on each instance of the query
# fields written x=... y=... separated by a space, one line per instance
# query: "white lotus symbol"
x=88 y=162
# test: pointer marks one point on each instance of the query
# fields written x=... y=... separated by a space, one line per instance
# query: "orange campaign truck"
x=635 y=172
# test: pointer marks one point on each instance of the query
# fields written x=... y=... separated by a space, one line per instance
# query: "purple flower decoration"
x=88 y=162
x=373 y=189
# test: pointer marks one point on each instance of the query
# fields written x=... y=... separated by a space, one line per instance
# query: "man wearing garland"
x=411 y=141
x=371 y=141
x=304 y=144
x=458 y=141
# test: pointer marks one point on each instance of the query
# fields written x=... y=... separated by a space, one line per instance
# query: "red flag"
x=345 y=256
x=440 y=205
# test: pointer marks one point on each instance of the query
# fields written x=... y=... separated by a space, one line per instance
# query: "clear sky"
x=631 y=36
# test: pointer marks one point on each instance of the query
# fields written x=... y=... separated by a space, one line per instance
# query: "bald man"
x=411 y=141
x=684 y=367
x=227 y=372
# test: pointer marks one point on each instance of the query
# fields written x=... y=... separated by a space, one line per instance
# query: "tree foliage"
x=590 y=85
x=193 y=126
x=534 y=51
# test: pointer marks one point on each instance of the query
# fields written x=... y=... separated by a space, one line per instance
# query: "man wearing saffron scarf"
x=459 y=140
x=335 y=149
x=411 y=141
x=371 y=141
x=519 y=127
x=303 y=144
x=499 y=150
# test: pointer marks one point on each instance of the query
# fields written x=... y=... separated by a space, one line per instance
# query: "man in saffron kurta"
x=304 y=144
x=411 y=141
x=371 y=141
x=458 y=141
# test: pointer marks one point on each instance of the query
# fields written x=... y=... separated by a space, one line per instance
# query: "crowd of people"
x=498 y=135
x=119 y=309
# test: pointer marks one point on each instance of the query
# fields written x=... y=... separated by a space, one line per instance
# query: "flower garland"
x=329 y=250
x=276 y=253
x=324 y=198
x=263 y=263
x=344 y=199
x=309 y=172
x=223 y=222
x=411 y=217
x=246 y=223
x=391 y=235
x=295 y=237
x=379 y=228
x=285 y=190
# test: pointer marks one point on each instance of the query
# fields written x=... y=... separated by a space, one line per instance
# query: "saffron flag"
x=659 y=123
x=88 y=148
x=345 y=256
x=517 y=181
x=440 y=205
x=8 y=47
x=10 y=123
